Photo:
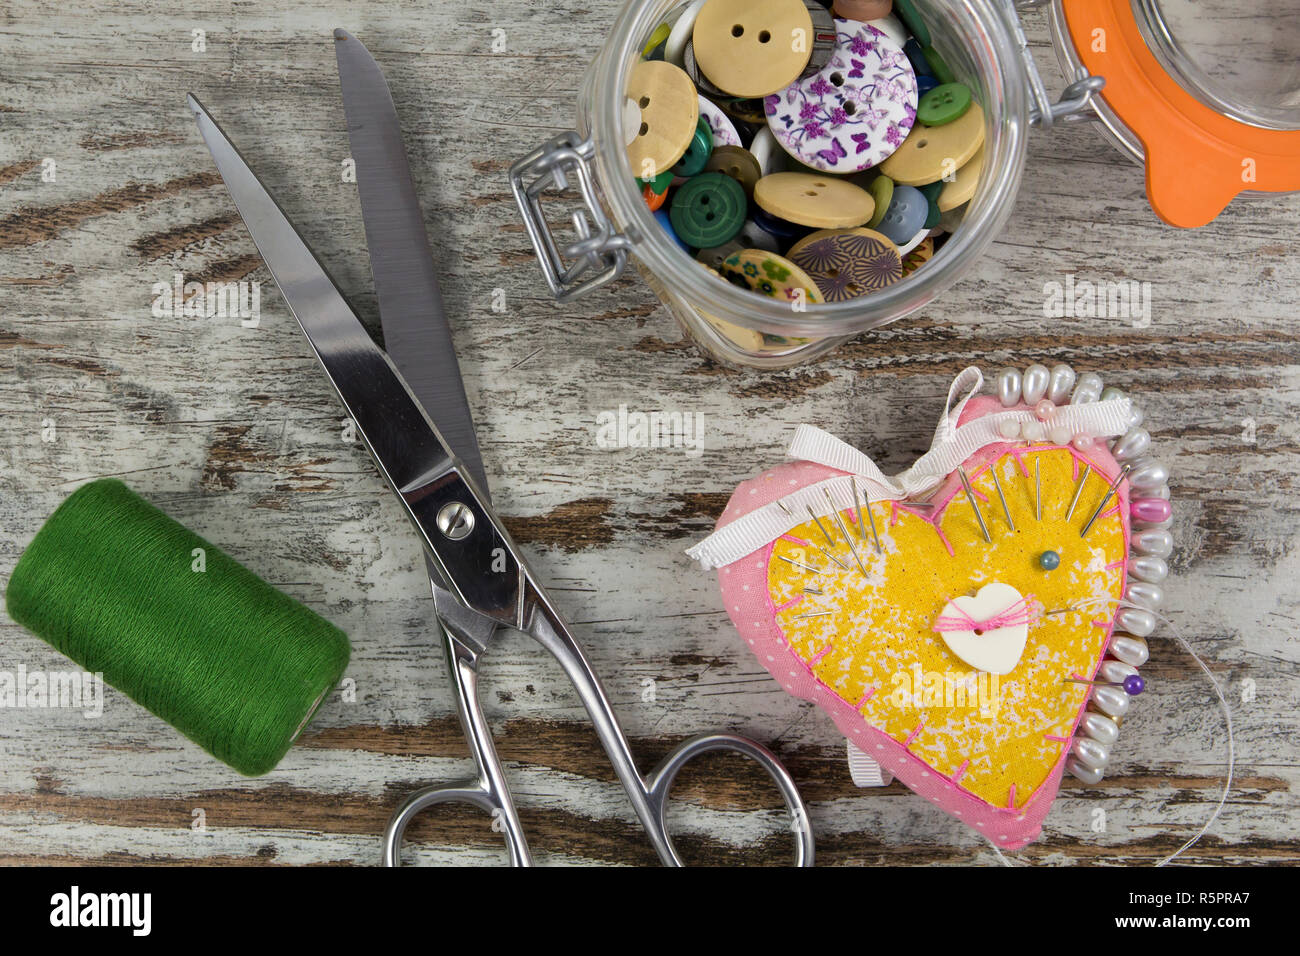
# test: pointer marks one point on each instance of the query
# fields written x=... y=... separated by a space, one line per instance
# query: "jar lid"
x=1210 y=89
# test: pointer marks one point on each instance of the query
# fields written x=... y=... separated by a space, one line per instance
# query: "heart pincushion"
x=954 y=621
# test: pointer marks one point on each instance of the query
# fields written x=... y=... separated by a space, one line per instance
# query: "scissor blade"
x=416 y=335
x=406 y=446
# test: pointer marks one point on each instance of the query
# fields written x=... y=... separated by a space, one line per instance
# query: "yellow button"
x=670 y=110
x=931 y=152
x=963 y=186
x=753 y=47
x=817 y=200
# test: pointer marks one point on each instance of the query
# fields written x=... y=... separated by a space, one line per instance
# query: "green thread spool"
x=235 y=665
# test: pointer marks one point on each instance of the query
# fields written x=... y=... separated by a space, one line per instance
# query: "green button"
x=912 y=20
x=659 y=185
x=943 y=104
x=708 y=210
x=697 y=154
x=938 y=66
x=882 y=191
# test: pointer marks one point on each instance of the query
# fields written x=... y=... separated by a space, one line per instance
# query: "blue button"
x=662 y=216
x=905 y=216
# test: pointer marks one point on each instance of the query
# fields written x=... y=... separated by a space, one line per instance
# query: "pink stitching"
x=1011 y=801
x=820 y=654
x=862 y=702
x=790 y=603
x=912 y=735
x=960 y=770
x=793 y=540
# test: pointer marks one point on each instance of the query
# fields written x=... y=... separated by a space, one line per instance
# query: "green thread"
x=233 y=664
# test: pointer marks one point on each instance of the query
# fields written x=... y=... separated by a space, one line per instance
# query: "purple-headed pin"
x=1133 y=684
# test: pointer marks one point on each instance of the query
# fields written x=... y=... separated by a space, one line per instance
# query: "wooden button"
x=738 y=163
x=753 y=47
x=670 y=110
x=931 y=152
x=847 y=263
x=963 y=187
x=856 y=111
x=822 y=202
x=769 y=274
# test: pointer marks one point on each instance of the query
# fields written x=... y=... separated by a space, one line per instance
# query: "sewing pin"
x=1133 y=684
x=1038 y=490
x=804 y=617
x=816 y=591
x=821 y=527
x=970 y=496
x=1078 y=490
x=832 y=557
x=1002 y=498
x=800 y=564
x=870 y=517
x=1110 y=493
x=839 y=521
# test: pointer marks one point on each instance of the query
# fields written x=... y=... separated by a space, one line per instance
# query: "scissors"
x=480 y=581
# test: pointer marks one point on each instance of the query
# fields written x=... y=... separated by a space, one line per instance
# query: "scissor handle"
x=488 y=791
x=660 y=783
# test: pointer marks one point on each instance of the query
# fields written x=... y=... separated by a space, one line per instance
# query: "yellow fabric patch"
x=878 y=650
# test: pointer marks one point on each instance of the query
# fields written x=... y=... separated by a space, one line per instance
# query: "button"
x=938 y=66
x=823 y=37
x=943 y=104
x=916 y=56
x=890 y=27
x=771 y=275
x=738 y=163
x=918 y=256
x=862 y=10
x=680 y=35
x=847 y=263
x=882 y=191
x=931 y=152
x=755 y=236
x=660 y=183
x=821 y=202
x=746 y=110
x=752 y=47
x=657 y=39
x=697 y=154
x=855 y=112
x=720 y=125
x=771 y=157
x=670 y=111
x=964 y=184
x=907 y=12
x=661 y=216
x=708 y=210
x=692 y=69
x=906 y=215
x=715 y=256
x=778 y=228
x=925 y=83
x=652 y=199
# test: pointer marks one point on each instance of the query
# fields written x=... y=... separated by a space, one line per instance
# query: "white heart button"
x=994 y=649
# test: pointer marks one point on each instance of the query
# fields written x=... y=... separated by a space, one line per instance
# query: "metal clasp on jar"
x=599 y=255
x=1075 y=104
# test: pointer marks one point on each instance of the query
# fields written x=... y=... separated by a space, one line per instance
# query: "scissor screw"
x=455 y=520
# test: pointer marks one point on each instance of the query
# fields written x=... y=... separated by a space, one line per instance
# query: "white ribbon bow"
x=952 y=445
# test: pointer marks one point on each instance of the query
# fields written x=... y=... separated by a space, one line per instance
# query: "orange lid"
x=1197 y=159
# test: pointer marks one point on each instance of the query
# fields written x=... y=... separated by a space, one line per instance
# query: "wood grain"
x=233 y=431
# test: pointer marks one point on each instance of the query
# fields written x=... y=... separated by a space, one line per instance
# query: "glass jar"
x=984 y=45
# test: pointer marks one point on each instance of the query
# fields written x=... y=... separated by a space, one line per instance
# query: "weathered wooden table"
x=106 y=189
